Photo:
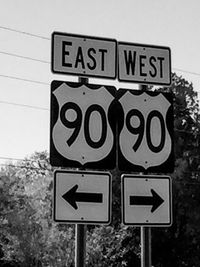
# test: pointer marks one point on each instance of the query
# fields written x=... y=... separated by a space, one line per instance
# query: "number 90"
x=141 y=129
x=77 y=122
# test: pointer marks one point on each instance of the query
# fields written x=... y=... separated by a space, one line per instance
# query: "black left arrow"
x=72 y=197
x=155 y=200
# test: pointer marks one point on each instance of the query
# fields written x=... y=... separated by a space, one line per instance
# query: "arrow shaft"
x=89 y=197
x=141 y=200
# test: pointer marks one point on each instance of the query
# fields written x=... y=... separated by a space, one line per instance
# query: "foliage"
x=27 y=234
x=107 y=246
x=180 y=243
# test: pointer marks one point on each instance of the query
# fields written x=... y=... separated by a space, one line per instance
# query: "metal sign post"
x=145 y=232
x=145 y=246
x=81 y=229
x=80 y=245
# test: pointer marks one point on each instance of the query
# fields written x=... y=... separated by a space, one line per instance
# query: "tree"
x=180 y=243
x=114 y=247
x=28 y=235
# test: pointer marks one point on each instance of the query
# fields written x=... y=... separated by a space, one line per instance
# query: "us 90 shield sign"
x=82 y=125
x=145 y=137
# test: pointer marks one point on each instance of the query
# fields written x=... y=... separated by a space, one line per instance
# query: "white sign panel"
x=82 y=197
x=144 y=64
x=146 y=200
x=84 y=55
x=145 y=140
x=81 y=132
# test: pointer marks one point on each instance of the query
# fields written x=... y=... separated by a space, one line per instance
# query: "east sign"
x=84 y=55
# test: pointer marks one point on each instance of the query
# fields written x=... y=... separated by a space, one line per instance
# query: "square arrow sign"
x=146 y=200
x=82 y=197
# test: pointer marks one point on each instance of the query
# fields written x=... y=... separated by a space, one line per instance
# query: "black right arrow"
x=72 y=197
x=155 y=200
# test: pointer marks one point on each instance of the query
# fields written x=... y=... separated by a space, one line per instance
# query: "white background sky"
x=173 y=23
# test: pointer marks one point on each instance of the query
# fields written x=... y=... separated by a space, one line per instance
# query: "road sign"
x=145 y=131
x=146 y=64
x=146 y=200
x=82 y=197
x=83 y=55
x=82 y=125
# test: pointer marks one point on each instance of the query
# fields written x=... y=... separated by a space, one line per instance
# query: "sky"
x=25 y=54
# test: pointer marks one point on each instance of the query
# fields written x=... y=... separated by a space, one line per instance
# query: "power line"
x=189 y=72
x=20 y=161
x=24 y=57
x=23 y=79
x=48 y=62
x=21 y=167
x=23 y=105
x=8 y=158
x=23 y=32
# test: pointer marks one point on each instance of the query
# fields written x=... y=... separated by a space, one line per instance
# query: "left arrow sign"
x=72 y=197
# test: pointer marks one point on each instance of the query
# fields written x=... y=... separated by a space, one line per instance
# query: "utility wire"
x=41 y=108
x=20 y=167
x=7 y=158
x=189 y=72
x=23 y=105
x=28 y=80
x=23 y=79
x=48 y=62
x=24 y=57
x=23 y=32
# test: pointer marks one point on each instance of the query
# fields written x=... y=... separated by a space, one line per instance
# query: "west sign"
x=144 y=64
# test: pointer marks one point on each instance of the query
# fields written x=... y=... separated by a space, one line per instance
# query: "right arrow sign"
x=146 y=200
x=155 y=200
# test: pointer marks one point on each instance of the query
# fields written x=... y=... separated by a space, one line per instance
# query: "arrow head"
x=70 y=197
x=157 y=200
